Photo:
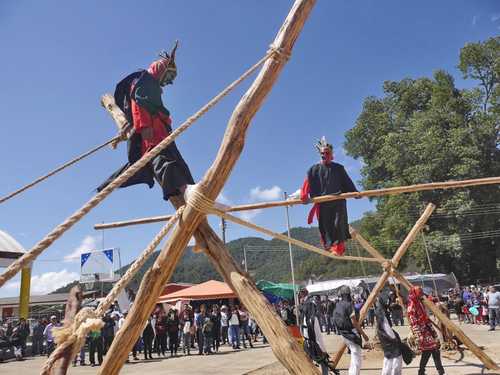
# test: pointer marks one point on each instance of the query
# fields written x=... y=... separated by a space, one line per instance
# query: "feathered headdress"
x=322 y=143
x=170 y=56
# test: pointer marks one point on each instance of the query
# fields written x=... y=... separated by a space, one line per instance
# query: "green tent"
x=282 y=290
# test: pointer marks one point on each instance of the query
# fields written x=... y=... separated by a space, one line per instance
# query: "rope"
x=197 y=200
x=57 y=170
x=57 y=232
x=85 y=320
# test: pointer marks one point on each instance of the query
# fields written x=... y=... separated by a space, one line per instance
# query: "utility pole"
x=223 y=226
x=291 y=258
x=245 y=258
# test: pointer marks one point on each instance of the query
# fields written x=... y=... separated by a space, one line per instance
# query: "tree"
x=424 y=130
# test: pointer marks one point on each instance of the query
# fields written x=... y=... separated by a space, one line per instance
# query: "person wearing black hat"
x=349 y=328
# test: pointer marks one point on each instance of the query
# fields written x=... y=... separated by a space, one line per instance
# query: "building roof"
x=10 y=249
x=47 y=299
x=211 y=289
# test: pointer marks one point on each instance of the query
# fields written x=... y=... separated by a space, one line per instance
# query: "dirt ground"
x=260 y=361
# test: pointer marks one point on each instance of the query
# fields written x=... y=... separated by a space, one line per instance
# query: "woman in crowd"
x=172 y=325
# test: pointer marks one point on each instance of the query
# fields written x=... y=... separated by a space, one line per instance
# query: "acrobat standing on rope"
x=139 y=96
x=325 y=178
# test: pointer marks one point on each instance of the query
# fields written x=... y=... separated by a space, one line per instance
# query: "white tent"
x=442 y=282
x=10 y=249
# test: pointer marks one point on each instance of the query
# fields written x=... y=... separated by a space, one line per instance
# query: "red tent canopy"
x=211 y=289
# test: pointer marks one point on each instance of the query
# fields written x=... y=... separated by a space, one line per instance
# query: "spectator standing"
x=234 y=327
x=48 y=334
x=199 y=320
x=173 y=331
x=24 y=332
x=161 y=334
x=4 y=344
x=108 y=331
x=493 y=298
x=224 y=322
x=187 y=325
x=37 y=344
x=95 y=345
x=216 y=328
x=244 y=326
x=207 y=334
x=148 y=335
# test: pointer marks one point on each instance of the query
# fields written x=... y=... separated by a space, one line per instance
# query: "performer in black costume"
x=325 y=178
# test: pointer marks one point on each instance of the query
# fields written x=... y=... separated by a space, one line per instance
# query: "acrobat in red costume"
x=326 y=178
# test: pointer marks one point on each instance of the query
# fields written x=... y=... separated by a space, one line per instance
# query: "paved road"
x=260 y=361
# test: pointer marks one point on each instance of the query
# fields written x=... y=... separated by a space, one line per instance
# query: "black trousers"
x=333 y=224
x=436 y=356
x=95 y=345
x=148 y=346
x=173 y=341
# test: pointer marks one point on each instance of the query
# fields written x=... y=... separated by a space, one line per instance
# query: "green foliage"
x=425 y=130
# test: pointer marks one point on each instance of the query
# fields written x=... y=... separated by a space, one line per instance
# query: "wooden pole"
x=211 y=185
x=126 y=223
x=483 y=357
x=73 y=305
x=374 y=193
x=386 y=274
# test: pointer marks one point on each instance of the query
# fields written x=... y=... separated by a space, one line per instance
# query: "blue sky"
x=59 y=57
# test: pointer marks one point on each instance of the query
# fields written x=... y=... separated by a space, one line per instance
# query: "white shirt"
x=187 y=326
x=223 y=319
x=234 y=321
x=493 y=300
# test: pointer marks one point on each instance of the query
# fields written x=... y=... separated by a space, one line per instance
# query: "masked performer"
x=139 y=96
x=327 y=178
x=421 y=327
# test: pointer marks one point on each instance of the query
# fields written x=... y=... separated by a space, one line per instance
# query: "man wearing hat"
x=48 y=333
x=326 y=178
x=139 y=96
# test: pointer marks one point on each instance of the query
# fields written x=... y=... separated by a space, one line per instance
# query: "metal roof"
x=47 y=299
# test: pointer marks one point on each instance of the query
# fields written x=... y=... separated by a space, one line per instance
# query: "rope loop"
x=278 y=53
x=85 y=321
x=197 y=200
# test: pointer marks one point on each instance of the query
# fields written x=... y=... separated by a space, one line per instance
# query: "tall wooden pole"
x=210 y=186
x=387 y=273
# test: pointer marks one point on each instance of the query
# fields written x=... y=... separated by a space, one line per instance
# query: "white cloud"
x=495 y=17
x=44 y=283
x=249 y=215
x=222 y=198
x=259 y=194
x=474 y=20
x=89 y=243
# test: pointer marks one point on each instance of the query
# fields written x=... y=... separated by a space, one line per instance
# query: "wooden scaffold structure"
x=190 y=220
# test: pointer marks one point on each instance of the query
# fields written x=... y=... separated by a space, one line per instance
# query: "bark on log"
x=386 y=274
x=483 y=357
x=72 y=307
x=211 y=185
x=375 y=193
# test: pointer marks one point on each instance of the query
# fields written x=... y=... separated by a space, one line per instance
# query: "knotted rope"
x=57 y=232
x=197 y=200
x=58 y=169
x=85 y=320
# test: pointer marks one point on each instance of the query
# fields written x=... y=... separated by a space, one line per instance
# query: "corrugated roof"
x=9 y=244
x=47 y=299
x=211 y=289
